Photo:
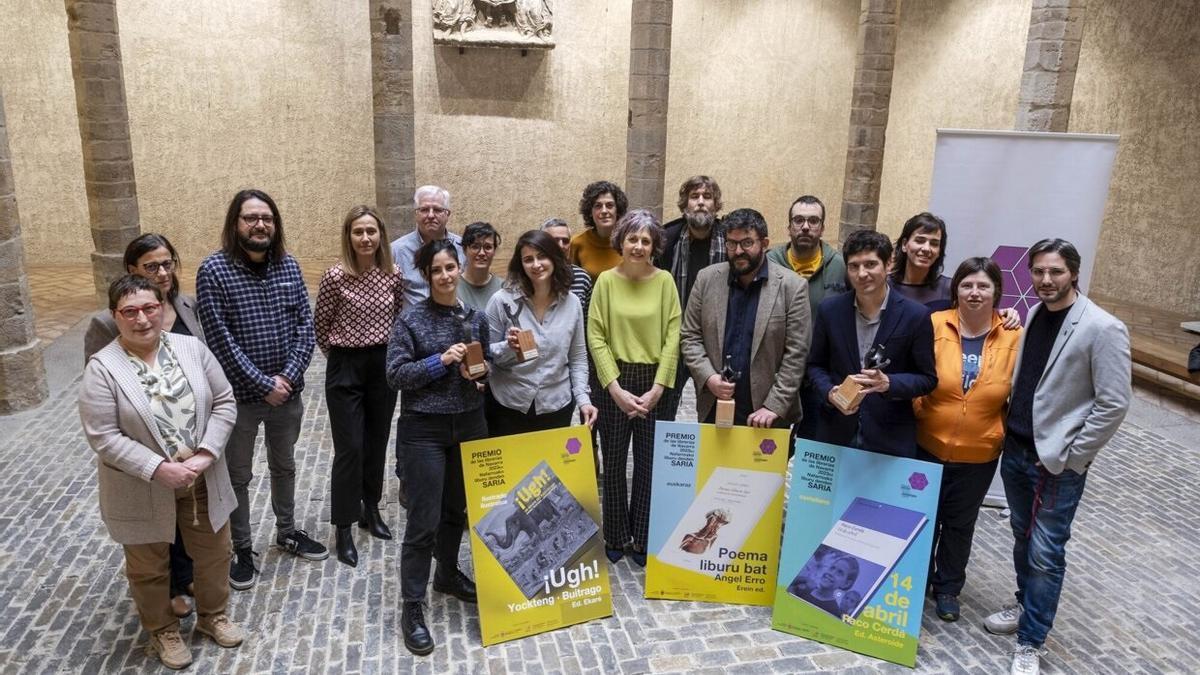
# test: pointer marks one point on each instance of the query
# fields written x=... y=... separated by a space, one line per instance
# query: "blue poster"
x=856 y=549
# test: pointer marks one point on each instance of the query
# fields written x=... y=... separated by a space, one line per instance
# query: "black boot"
x=345 y=546
x=454 y=583
x=412 y=624
x=372 y=521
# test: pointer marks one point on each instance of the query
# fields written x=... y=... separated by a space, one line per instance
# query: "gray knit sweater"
x=414 y=364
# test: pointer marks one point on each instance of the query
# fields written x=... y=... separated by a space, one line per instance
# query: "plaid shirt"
x=257 y=326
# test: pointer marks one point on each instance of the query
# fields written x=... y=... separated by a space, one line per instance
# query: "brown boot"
x=223 y=631
x=168 y=646
x=180 y=606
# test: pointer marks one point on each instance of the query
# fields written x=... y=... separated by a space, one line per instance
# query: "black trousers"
x=504 y=421
x=668 y=405
x=360 y=416
x=963 y=488
x=181 y=566
x=437 y=499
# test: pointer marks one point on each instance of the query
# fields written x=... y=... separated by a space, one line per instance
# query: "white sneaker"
x=1005 y=621
x=1026 y=660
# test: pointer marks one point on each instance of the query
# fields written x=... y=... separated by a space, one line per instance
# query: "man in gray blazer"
x=752 y=318
x=1071 y=390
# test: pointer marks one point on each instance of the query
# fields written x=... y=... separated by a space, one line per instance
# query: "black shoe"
x=372 y=522
x=638 y=557
x=345 y=546
x=299 y=543
x=947 y=607
x=412 y=624
x=614 y=554
x=242 y=569
x=459 y=585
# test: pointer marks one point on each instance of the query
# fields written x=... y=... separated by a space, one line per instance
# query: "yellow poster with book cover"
x=533 y=511
x=716 y=512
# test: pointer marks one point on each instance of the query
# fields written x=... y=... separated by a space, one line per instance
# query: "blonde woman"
x=357 y=303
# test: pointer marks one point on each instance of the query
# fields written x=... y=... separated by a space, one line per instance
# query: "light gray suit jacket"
x=1084 y=392
x=782 y=333
x=103 y=329
x=120 y=427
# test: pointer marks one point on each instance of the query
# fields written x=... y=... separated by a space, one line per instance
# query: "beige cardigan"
x=120 y=428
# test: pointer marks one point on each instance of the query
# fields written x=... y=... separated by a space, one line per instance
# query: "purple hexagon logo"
x=574 y=446
x=767 y=446
x=918 y=481
x=1019 y=292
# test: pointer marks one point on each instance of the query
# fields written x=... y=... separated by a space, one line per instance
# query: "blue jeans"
x=1042 y=507
x=437 y=501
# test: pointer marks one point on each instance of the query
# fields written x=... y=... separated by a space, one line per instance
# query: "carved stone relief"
x=522 y=24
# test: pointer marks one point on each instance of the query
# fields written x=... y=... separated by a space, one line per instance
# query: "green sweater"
x=828 y=280
x=634 y=322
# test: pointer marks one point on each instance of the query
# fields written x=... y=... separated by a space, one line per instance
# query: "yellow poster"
x=534 y=515
x=716 y=511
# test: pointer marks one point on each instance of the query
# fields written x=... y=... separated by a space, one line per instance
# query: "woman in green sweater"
x=633 y=335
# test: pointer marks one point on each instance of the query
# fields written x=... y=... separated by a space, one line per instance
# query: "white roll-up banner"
x=1001 y=191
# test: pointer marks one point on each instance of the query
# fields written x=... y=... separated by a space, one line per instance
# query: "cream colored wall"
x=43 y=131
x=1139 y=74
x=958 y=65
x=516 y=138
x=760 y=100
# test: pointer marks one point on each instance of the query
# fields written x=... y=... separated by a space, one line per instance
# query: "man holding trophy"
x=872 y=353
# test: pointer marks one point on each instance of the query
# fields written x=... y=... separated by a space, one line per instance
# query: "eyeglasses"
x=563 y=241
x=150 y=309
x=812 y=221
x=153 y=268
x=251 y=218
x=744 y=244
x=434 y=210
x=481 y=248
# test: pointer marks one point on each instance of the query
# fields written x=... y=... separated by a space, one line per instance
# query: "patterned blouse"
x=357 y=310
x=171 y=399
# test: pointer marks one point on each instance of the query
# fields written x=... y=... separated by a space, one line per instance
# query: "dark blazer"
x=886 y=421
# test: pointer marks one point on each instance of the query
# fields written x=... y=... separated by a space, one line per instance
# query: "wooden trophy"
x=474 y=358
x=726 y=407
x=849 y=393
x=527 y=349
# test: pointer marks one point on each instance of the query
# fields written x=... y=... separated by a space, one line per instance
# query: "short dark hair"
x=147 y=243
x=868 y=241
x=128 y=285
x=696 y=182
x=423 y=260
x=560 y=280
x=922 y=222
x=478 y=230
x=593 y=192
x=229 y=236
x=806 y=199
x=972 y=265
x=745 y=219
x=1062 y=247
x=636 y=221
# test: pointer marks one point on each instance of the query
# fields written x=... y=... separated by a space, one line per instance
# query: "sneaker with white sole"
x=222 y=631
x=242 y=569
x=168 y=646
x=1005 y=621
x=1027 y=660
x=299 y=543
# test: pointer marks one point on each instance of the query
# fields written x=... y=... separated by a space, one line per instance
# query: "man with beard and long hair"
x=254 y=308
x=717 y=338
x=692 y=242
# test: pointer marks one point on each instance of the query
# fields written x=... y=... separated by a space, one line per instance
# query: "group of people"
x=868 y=346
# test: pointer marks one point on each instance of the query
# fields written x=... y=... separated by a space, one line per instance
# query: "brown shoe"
x=168 y=646
x=180 y=606
x=223 y=631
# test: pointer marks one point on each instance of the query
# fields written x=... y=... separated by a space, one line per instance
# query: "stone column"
x=649 y=84
x=395 y=141
x=22 y=375
x=95 y=45
x=1051 y=59
x=868 y=115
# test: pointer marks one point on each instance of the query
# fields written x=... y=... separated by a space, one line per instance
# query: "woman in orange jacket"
x=960 y=425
